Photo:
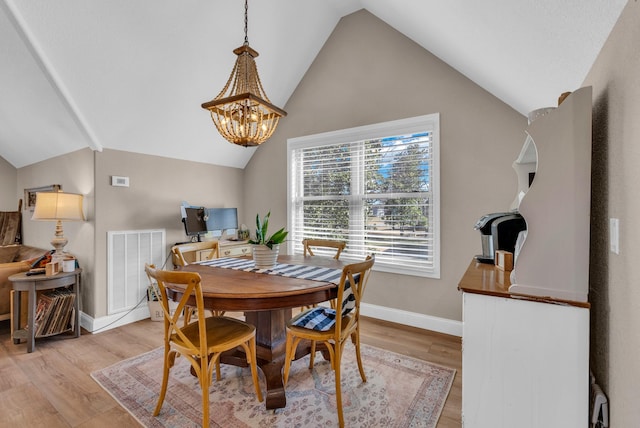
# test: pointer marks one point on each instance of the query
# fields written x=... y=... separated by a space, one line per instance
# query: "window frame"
x=419 y=124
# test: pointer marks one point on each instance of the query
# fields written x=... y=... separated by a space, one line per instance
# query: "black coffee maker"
x=498 y=231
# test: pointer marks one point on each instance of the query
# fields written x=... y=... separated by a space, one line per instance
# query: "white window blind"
x=375 y=187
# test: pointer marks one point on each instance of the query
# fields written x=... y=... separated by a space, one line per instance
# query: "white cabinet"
x=525 y=364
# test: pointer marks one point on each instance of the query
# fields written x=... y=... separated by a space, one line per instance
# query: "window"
x=375 y=187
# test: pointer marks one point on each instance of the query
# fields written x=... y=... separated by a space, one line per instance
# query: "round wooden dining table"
x=267 y=301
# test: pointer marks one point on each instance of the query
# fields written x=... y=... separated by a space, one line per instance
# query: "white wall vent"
x=128 y=251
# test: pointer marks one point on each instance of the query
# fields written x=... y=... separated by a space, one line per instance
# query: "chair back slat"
x=351 y=289
x=339 y=246
x=350 y=293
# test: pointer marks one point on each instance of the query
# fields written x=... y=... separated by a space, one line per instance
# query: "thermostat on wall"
x=119 y=181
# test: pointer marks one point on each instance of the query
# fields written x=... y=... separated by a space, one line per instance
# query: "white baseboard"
x=98 y=325
x=427 y=322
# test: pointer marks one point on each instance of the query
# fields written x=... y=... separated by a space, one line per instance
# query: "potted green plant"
x=266 y=247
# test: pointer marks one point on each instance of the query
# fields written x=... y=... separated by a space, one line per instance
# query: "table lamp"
x=58 y=206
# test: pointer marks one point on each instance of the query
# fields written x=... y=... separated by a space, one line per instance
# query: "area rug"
x=400 y=392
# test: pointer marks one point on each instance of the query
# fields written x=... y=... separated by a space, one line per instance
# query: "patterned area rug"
x=400 y=392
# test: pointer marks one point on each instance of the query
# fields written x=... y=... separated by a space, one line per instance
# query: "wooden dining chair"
x=179 y=250
x=200 y=342
x=324 y=325
x=339 y=246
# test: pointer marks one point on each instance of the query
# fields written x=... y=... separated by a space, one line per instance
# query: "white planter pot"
x=265 y=257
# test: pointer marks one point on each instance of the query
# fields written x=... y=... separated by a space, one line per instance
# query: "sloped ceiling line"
x=49 y=71
x=93 y=69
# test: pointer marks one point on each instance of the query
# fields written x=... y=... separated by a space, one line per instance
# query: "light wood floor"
x=52 y=386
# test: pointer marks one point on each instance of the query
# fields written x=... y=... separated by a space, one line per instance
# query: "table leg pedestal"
x=275 y=397
x=270 y=344
x=270 y=350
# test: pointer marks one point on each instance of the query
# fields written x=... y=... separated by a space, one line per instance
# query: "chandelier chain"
x=246 y=22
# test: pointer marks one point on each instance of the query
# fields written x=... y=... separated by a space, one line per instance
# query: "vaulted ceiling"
x=131 y=75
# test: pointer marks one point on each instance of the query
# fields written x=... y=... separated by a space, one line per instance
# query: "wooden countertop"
x=484 y=278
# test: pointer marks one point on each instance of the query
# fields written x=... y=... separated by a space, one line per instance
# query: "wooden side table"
x=32 y=284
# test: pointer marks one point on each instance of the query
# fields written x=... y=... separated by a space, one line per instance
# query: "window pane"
x=398 y=164
x=398 y=230
x=327 y=219
x=326 y=170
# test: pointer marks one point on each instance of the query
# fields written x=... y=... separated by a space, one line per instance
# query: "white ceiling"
x=131 y=75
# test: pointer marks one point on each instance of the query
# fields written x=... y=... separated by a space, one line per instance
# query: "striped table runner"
x=316 y=273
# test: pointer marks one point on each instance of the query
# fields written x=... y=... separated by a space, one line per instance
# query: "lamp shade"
x=58 y=206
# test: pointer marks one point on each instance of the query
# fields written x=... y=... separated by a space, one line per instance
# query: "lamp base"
x=58 y=242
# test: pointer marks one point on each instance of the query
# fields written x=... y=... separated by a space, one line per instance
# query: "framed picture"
x=30 y=195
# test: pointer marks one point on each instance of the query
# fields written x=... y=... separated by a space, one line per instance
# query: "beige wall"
x=157 y=185
x=74 y=172
x=614 y=290
x=367 y=73
x=9 y=180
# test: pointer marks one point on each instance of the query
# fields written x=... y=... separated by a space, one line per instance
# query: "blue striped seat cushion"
x=321 y=318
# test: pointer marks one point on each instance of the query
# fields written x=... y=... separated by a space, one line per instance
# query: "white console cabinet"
x=525 y=363
x=525 y=345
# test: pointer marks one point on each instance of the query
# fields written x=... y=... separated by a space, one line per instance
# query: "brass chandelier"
x=242 y=111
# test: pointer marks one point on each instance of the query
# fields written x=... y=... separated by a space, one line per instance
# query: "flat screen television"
x=194 y=222
x=222 y=218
